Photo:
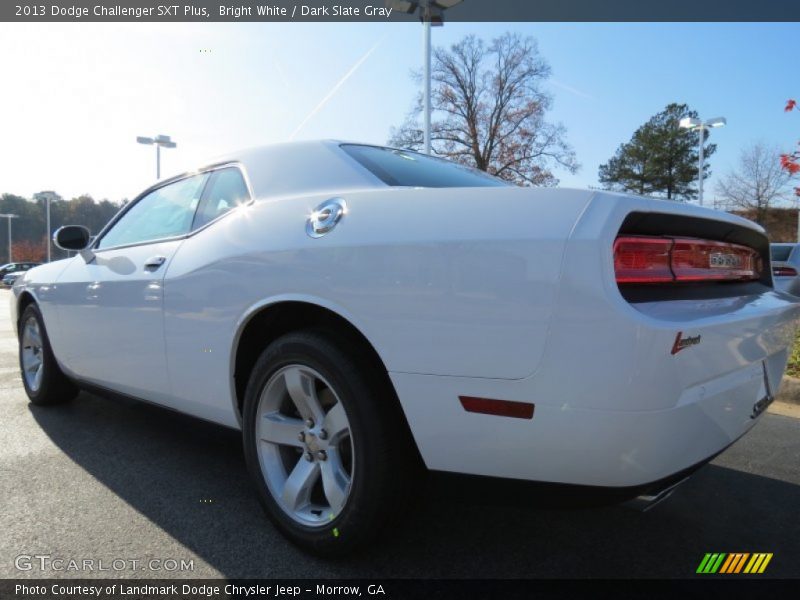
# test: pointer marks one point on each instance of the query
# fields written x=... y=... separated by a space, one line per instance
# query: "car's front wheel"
x=322 y=445
x=42 y=378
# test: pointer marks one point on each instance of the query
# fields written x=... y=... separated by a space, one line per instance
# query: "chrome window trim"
x=209 y=169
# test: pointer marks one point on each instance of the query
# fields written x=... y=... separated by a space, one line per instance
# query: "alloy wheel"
x=305 y=446
x=32 y=354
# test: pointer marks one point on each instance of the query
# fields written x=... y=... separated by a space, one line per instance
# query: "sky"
x=74 y=96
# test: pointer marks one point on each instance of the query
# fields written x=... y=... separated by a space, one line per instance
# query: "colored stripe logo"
x=735 y=562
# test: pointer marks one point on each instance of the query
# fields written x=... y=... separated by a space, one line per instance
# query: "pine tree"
x=660 y=159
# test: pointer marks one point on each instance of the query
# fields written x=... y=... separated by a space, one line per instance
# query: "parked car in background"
x=15 y=267
x=361 y=312
x=786 y=267
x=11 y=278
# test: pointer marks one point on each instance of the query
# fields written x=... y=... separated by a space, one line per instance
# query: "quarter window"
x=412 y=169
x=163 y=213
x=225 y=191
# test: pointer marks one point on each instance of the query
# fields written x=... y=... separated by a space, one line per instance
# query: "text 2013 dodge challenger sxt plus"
x=358 y=311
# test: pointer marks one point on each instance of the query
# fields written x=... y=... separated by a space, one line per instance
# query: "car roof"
x=293 y=168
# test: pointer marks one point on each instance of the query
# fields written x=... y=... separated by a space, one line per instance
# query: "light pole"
x=431 y=13
x=159 y=141
x=9 y=216
x=49 y=233
x=47 y=198
x=426 y=49
x=693 y=124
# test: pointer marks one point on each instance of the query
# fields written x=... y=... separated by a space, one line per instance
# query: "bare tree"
x=757 y=183
x=489 y=111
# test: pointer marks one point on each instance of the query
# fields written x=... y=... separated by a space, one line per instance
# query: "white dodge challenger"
x=359 y=312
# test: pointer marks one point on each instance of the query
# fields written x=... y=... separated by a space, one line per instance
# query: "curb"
x=789 y=390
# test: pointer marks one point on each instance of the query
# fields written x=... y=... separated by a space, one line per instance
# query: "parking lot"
x=104 y=480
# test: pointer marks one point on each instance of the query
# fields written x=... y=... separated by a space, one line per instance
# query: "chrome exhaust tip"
x=648 y=500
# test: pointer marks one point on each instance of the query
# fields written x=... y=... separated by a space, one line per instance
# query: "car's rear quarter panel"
x=458 y=282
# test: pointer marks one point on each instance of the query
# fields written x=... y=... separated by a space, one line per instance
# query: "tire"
x=362 y=476
x=47 y=385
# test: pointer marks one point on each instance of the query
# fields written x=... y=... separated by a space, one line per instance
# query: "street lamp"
x=9 y=217
x=47 y=198
x=160 y=141
x=431 y=13
x=693 y=124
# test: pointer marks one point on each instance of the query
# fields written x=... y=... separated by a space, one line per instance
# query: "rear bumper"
x=613 y=406
x=565 y=444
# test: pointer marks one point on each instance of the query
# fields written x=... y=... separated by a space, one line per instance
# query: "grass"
x=793 y=368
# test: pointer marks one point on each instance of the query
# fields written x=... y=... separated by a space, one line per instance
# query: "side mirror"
x=72 y=237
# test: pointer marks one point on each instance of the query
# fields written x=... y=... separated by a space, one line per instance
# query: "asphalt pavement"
x=104 y=480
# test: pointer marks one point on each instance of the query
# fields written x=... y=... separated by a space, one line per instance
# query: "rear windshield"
x=411 y=169
x=780 y=253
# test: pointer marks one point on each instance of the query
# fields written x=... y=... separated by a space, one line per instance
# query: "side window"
x=165 y=212
x=225 y=191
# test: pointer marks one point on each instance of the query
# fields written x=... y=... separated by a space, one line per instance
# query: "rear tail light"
x=783 y=272
x=640 y=259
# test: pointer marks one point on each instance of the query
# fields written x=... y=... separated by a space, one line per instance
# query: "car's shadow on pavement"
x=188 y=477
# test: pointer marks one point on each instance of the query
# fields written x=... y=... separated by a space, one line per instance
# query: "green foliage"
x=30 y=226
x=660 y=159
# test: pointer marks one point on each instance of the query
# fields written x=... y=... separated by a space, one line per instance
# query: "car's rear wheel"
x=42 y=378
x=322 y=446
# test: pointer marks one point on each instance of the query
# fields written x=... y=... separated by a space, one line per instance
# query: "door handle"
x=154 y=262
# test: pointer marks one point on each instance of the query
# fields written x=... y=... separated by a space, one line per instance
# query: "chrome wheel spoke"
x=280 y=429
x=35 y=337
x=302 y=391
x=335 y=482
x=37 y=377
x=335 y=422
x=298 y=486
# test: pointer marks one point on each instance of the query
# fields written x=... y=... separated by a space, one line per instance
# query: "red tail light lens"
x=642 y=260
x=784 y=272
x=639 y=259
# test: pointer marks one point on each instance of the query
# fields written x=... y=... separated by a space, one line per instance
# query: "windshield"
x=412 y=169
